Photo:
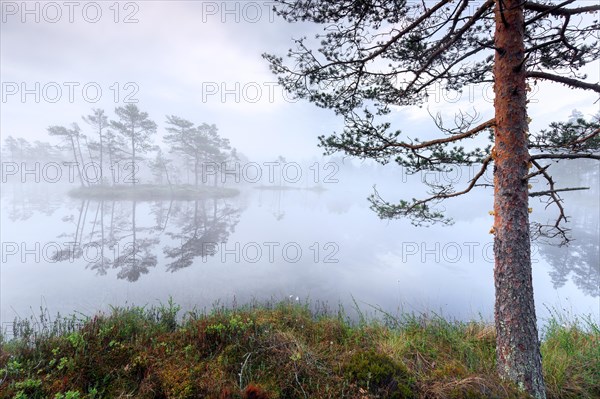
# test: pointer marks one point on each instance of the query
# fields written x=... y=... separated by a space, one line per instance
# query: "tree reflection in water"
x=119 y=235
x=108 y=236
x=212 y=224
x=580 y=258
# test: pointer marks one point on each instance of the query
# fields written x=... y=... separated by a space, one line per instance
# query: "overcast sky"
x=198 y=60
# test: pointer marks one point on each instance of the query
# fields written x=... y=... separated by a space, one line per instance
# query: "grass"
x=278 y=350
x=151 y=192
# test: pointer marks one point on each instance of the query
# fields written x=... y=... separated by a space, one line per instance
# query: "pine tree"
x=376 y=56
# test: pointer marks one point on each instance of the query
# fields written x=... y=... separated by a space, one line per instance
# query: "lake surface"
x=307 y=245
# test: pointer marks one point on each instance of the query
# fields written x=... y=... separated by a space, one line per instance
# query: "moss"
x=452 y=369
x=176 y=381
x=380 y=375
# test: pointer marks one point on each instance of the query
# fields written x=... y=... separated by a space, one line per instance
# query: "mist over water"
x=279 y=241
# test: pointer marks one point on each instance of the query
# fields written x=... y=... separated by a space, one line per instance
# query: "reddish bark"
x=517 y=351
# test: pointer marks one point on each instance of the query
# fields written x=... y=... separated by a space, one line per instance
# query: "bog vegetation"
x=279 y=350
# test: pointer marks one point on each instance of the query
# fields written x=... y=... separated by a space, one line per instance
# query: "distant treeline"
x=123 y=150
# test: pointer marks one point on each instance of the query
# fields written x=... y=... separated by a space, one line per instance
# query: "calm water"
x=272 y=244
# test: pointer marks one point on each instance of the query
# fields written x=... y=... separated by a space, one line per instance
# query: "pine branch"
x=586 y=138
x=426 y=144
x=419 y=209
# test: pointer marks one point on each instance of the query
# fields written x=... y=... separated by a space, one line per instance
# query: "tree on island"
x=134 y=126
x=179 y=140
x=219 y=151
x=72 y=138
x=115 y=145
x=160 y=167
x=202 y=144
x=374 y=57
x=99 y=122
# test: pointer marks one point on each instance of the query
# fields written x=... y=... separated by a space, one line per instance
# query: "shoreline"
x=280 y=350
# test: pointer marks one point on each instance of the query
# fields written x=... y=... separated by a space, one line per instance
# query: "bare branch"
x=554 y=198
x=578 y=84
x=547 y=11
x=471 y=185
x=549 y=192
x=539 y=172
x=565 y=156
x=559 y=9
x=419 y=209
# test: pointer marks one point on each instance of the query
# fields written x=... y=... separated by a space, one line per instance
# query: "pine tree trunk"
x=196 y=162
x=133 y=155
x=517 y=343
x=101 y=152
x=111 y=162
x=87 y=182
x=166 y=174
x=102 y=242
x=77 y=161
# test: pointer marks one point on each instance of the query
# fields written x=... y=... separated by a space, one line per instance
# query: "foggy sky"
x=177 y=54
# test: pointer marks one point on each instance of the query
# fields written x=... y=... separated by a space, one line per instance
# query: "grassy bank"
x=279 y=351
x=151 y=192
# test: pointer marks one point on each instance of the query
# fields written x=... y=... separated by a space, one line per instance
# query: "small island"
x=152 y=192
